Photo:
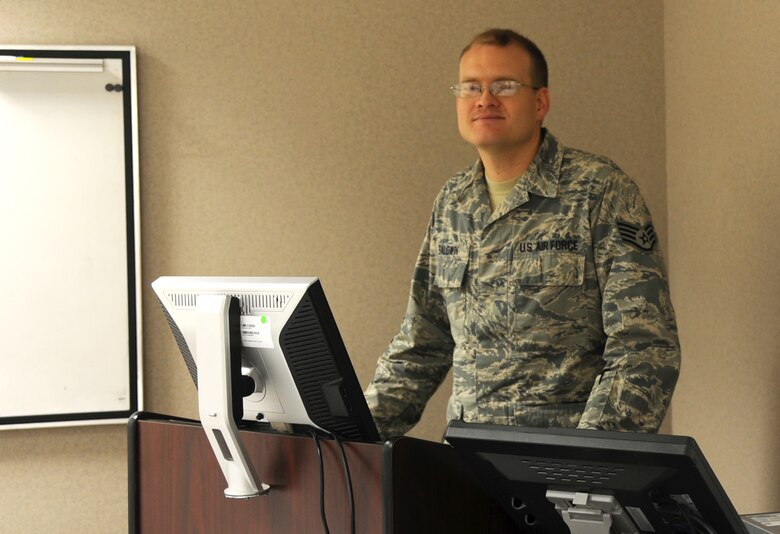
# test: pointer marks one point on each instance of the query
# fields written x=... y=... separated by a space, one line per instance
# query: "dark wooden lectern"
x=402 y=486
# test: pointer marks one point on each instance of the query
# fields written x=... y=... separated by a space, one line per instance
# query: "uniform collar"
x=541 y=177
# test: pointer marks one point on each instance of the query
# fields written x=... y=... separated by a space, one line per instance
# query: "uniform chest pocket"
x=451 y=262
x=549 y=269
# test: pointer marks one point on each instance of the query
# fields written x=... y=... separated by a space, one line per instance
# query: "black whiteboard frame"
x=132 y=235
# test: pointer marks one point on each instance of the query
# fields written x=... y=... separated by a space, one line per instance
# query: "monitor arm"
x=217 y=370
x=588 y=513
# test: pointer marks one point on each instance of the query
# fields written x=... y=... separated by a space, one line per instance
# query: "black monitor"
x=263 y=351
x=556 y=481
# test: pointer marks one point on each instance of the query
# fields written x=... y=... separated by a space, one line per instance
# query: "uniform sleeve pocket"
x=550 y=269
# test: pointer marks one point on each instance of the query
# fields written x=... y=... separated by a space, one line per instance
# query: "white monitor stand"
x=215 y=395
x=589 y=513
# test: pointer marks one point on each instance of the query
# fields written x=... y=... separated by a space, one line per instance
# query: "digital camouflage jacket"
x=553 y=310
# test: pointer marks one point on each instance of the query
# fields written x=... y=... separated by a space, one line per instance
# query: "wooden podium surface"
x=404 y=486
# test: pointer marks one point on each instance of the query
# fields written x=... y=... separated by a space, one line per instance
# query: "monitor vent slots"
x=250 y=303
x=566 y=472
x=263 y=302
x=183 y=300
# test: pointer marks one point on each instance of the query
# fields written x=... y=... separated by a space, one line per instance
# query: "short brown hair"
x=502 y=37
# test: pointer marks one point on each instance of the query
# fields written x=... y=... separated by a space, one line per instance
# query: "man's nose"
x=487 y=99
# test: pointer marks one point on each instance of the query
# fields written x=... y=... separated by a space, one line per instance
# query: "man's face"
x=499 y=124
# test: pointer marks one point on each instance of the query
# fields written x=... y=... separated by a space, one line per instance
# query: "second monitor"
x=263 y=350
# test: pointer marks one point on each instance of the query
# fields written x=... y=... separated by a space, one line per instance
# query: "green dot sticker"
x=263 y=319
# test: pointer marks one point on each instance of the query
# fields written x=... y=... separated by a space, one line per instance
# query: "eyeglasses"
x=497 y=88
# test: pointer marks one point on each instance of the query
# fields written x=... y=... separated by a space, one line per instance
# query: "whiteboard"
x=70 y=337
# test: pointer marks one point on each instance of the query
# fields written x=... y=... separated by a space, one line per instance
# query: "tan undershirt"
x=498 y=191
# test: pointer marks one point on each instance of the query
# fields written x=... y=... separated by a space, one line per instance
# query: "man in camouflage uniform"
x=551 y=304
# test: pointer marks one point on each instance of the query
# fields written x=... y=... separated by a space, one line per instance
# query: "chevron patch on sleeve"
x=643 y=237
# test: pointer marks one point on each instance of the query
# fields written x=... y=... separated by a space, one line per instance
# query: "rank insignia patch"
x=642 y=237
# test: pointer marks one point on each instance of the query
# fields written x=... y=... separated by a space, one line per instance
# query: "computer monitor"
x=556 y=481
x=263 y=350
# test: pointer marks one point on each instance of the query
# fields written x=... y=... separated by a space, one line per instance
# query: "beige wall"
x=310 y=138
x=723 y=156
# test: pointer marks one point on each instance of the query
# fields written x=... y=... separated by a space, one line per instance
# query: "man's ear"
x=542 y=103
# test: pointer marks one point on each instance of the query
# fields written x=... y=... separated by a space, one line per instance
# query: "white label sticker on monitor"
x=256 y=331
